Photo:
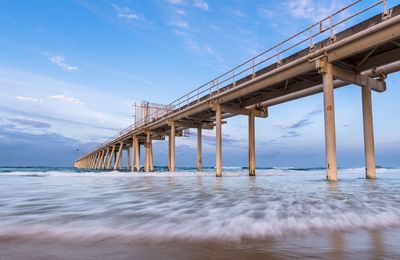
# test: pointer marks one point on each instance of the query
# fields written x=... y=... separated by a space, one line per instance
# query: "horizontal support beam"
x=358 y=79
x=238 y=110
x=194 y=125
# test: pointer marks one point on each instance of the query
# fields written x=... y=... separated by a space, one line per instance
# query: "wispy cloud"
x=67 y=99
x=200 y=4
x=180 y=24
x=176 y=2
x=180 y=11
x=291 y=134
x=194 y=45
x=305 y=121
x=311 y=9
x=238 y=13
x=125 y=13
x=30 y=99
x=60 y=62
x=30 y=122
x=266 y=13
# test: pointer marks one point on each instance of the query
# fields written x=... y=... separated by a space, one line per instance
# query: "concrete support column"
x=110 y=158
x=88 y=163
x=199 y=150
x=137 y=154
x=218 y=159
x=100 y=160
x=133 y=154
x=369 y=146
x=147 y=156
x=151 y=162
x=118 y=157
x=329 y=113
x=96 y=160
x=169 y=152
x=252 y=150
x=128 y=158
x=103 y=166
x=172 y=147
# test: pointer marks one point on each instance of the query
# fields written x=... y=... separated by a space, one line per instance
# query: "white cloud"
x=176 y=2
x=125 y=13
x=266 y=13
x=180 y=24
x=180 y=11
x=311 y=9
x=30 y=99
x=201 y=4
x=238 y=13
x=60 y=61
x=67 y=99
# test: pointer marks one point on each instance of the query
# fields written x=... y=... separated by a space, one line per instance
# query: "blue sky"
x=71 y=70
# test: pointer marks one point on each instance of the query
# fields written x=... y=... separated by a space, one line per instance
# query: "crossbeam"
x=351 y=76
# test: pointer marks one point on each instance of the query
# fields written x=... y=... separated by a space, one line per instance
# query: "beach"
x=282 y=213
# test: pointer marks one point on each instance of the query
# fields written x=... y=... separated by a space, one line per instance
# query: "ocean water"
x=282 y=213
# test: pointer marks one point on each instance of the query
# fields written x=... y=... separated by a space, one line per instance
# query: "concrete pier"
x=218 y=141
x=199 y=149
x=369 y=146
x=172 y=146
x=118 y=157
x=137 y=154
x=363 y=54
x=329 y=115
x=252 y=144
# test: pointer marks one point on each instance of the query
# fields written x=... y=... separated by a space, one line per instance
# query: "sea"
x=281 y=213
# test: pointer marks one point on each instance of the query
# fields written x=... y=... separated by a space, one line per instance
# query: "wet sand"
x=372 y=244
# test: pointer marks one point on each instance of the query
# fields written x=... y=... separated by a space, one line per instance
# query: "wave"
x=220 y=227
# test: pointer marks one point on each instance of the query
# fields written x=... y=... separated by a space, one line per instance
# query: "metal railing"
x=308 y=36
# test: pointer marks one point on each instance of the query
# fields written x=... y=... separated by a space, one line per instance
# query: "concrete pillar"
x=105 y=159
x=128 y=158
x=369 y=146
x=147 y=156
x=169 y=152
x=95 y=161
x=151 y=162
x=252 y=150
x=199 y=149
x=137 y=154
x=329 y=113
x=110 y=157
x=118 y=157
x=100 y=160
x=172 y=147
x=133 y=154
x=218 y=159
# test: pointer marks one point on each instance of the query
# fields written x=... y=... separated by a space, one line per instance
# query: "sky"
x=70 y=72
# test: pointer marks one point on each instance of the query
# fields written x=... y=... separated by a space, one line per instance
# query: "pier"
x=318 y=59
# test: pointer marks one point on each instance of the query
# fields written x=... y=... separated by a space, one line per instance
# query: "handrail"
x=213 y=86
